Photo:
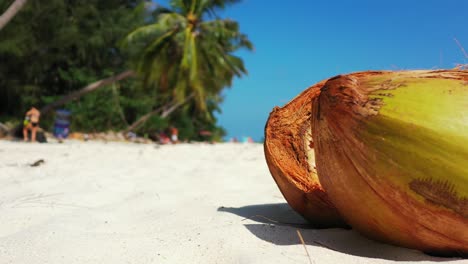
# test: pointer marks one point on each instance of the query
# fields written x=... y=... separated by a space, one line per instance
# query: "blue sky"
x=301 y=42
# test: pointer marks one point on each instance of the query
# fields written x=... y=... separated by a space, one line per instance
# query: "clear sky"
x=301 y=42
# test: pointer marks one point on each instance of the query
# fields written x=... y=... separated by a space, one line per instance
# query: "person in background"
x=174 y=135
x=163 y=138
x=31 y=122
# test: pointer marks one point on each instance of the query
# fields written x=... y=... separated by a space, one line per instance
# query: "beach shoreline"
x=117 y=202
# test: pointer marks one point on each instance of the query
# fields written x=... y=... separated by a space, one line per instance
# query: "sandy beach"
x=97 y=202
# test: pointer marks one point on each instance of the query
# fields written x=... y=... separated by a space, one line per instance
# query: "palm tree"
x=188 y=52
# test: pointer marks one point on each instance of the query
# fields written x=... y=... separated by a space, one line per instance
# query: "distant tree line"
x=120 y=65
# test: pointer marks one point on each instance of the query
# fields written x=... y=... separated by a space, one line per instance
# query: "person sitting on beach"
x=31 y=122
x=163 y=138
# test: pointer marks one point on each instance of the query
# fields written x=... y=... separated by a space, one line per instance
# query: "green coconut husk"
x=391 y=152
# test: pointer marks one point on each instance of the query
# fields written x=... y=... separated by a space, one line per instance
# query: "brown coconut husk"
x=288 y=139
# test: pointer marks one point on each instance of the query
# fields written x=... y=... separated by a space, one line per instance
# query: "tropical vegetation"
x=119 y=65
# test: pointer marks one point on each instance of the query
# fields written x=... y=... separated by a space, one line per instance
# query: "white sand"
x=127 y=203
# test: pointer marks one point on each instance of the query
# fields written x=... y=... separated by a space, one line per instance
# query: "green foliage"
x=96 y=111
x=52 y=48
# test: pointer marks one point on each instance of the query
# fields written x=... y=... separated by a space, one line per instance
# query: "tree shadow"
x=277 y=224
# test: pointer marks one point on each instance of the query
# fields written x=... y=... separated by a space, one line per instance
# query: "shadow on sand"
x=277 y=224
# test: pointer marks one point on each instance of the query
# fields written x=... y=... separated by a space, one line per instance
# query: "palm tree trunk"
x=143 y=119
x=166 y=111
x=87 y=89
x=171 y=109
x=11 y=12
x=4 y=130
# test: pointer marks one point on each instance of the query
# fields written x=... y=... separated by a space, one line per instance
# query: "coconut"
x=290 y=158
x=391 y=151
